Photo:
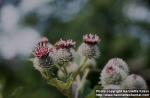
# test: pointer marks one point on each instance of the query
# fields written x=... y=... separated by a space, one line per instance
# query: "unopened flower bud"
x=119 y=63
x=134 y=81
x=112 y=75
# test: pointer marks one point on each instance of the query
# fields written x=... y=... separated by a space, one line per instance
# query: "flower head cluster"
x=116 y=72
x=67 y=70
x=59 y=54
x=134 y=81
x=48 y=57
x=89 y=46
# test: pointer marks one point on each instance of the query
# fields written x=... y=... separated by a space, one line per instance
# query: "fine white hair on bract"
x=88 y=51
x=119 y=63
x=134 y=81
x=112 y=75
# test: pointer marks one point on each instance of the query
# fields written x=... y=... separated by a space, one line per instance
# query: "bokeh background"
x=123 y=26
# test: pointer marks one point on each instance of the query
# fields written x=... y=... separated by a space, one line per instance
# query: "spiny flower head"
x=88 y=51
x=89 y=46
x=64 y=44
x=119 y=63
x=63 y=51
x=62 y=56
x=112 y=75
x=43 y=41
x=91 y=39
x=134 y=81
x=41 y=49
x=41 y=52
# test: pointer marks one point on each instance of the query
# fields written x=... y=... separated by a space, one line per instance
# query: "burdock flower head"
x=119 y=63
x=89 y=46
x=134 y=81
x=41 y=49
x=64 y=44
x=91 y=39
x=41 y=52
x=64 y=51
x=112 y=75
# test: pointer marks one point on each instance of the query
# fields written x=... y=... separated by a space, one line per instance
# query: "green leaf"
x=61 y=85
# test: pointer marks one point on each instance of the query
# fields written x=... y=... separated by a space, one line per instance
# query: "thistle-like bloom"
x=64 y=44
x=41 y=49
x=134 y=81
x=91 y=39
x=119 y=63
x=112 y=75
x=64 y=51
x=42 y=52
x=89 y=46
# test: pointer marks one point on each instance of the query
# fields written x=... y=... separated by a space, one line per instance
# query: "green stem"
x=87 y=70
x=45 y=74
x=65 y=70
x=80 y=68
x=61 y=69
